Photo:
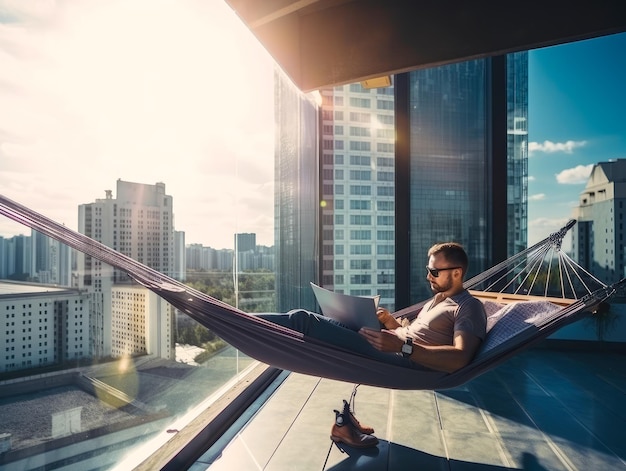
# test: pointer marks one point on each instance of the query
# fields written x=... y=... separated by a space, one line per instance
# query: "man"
x=445 y=335
x=449 y=328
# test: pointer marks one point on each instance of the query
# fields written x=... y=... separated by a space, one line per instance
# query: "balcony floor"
x=543 y=410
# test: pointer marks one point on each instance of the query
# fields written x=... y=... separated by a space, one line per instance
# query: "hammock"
x=520 y=324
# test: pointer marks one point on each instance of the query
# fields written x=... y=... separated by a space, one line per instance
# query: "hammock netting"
x=541 y=271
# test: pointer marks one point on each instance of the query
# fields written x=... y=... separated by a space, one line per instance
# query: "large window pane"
x=148 y=126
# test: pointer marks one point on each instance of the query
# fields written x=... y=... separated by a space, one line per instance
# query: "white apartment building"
x=358 y=212
x=138 y=222
x=41 y=325
x=598 y=237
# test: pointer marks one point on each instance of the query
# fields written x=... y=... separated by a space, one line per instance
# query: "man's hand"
x=386 y=319
x=383 y=340
x=448 y=358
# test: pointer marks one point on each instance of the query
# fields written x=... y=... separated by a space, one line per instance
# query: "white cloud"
x=537 y=197
x=574 y=176
x=550 y=147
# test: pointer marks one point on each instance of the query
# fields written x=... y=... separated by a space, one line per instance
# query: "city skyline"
x=145 y=107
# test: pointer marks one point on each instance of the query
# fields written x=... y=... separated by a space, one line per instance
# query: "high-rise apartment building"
x=599 y=236
x=357 y=173
x=440 y=155
x=139 y=223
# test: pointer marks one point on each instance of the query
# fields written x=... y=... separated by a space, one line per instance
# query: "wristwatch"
x=407 y=347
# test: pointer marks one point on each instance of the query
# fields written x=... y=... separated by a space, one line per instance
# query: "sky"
x=179 y=92
x=576 y=118
x=146 y=91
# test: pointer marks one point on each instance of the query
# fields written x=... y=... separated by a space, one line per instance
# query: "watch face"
x=406 y=348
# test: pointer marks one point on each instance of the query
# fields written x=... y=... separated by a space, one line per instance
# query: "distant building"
x=139 y=223
x=203 y=258
x=15 y=257
x=180 y=256
x=598 y=238
x=42 y=325
x=36 y=258
x=51 y=260
x=251 y=257
x=245 y=242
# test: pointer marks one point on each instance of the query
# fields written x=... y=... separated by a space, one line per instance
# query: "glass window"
x=131 y=140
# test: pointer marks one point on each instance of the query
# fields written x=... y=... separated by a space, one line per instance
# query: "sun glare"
x=145 y=91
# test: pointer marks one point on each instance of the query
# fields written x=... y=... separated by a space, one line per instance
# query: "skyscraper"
x=440 y=155
x=138 y=223
x=296 y=195
x=357 y=173
x=467 y=161
x=598 y=237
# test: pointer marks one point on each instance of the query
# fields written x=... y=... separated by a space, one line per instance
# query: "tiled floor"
x=542 y=410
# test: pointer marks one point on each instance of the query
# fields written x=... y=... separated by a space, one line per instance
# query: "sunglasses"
x=434 y=272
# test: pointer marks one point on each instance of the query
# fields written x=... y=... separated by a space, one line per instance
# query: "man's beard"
x=437 y=288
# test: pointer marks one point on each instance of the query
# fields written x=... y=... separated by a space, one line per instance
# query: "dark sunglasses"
x=434 y=272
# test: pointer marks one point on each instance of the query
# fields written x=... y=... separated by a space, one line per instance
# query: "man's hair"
x=453 y=253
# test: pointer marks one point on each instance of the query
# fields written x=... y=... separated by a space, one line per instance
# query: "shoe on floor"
x=349 y=435
x=348 y=413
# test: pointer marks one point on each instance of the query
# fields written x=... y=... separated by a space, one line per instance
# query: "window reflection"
x=149 y=143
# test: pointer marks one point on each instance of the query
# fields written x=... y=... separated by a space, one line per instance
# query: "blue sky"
x=577 y=117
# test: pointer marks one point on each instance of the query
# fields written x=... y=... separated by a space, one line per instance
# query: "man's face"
x=443 y=282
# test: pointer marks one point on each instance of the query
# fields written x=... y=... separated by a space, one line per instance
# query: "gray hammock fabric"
x=517 y=328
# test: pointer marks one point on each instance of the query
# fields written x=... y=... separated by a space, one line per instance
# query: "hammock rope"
x=291 y=350
x=542 y=270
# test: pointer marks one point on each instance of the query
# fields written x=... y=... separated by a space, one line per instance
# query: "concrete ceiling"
x=321 y=43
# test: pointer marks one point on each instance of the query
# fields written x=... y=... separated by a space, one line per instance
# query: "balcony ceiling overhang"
x=321 y=43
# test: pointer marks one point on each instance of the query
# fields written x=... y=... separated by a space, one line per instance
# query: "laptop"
x=352 y=311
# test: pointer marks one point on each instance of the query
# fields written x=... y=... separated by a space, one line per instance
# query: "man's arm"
x=448 y=358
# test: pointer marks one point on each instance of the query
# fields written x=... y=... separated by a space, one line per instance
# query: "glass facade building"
x=441 y=156
x=517 y=151
x=296 y=195
x=456 y=155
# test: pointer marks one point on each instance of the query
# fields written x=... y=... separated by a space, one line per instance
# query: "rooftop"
x=19 y=288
